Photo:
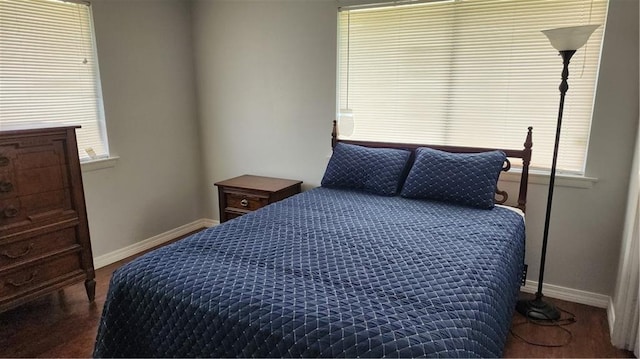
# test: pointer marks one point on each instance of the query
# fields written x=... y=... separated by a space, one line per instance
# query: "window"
x=468 y=72
x=49 y=70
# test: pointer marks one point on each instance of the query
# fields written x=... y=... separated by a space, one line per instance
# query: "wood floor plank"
x=65 y=325
x=589 y=335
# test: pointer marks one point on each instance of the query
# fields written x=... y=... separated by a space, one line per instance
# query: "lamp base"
x=538 y=309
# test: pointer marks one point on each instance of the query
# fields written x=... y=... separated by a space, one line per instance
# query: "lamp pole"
x=538 y=308
x=567 y=41
x=564 y=87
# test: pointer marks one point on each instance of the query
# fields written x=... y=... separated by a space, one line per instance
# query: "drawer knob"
x=244 y=202
x=21 y=254
x=4 y=161
x=26 y=281
x=6 y=187
x=10 y=212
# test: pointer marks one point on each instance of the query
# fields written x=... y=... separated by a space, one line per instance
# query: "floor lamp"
x=567 y=40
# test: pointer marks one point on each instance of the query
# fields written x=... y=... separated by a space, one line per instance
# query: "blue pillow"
x=375 y=170
x=463 y=178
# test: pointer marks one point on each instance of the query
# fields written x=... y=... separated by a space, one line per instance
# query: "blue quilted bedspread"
x=330 y=273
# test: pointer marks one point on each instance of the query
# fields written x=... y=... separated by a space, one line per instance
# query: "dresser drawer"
x=32 y=181
x=7 y=157
x=7 y=173
x=26 y=210
x=15 y=253
x=44 y=234
x=33 y=152
x=25 y=279
x=7 y=184
x=39 y=180
x=245 y=202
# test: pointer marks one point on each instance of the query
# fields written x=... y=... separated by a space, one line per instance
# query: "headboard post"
x=334 y=134
x=524 y=180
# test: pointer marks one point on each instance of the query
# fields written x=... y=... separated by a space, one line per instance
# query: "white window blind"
x=49 y=69
x=468 y=73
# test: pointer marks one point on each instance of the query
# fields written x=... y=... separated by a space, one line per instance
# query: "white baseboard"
x=122 y=253
x=611 y=315
x=569 y=294
x=209 y=222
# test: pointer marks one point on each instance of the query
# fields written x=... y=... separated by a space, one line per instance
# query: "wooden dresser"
x=44 y=236
x=240 y=195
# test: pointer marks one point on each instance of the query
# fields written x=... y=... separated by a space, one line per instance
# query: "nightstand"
x=241 y=195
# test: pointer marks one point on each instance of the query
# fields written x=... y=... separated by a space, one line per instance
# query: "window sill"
x=541 y=177
x=94 y=165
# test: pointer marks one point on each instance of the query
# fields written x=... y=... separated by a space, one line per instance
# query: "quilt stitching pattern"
x=330 y=273
x=375 y=170
x=468 y=179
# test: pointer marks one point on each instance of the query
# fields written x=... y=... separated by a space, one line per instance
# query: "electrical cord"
x=560 y=324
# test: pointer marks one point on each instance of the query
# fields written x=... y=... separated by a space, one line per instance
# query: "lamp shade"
x=570 y=38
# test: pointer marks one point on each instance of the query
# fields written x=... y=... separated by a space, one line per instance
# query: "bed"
x=336 y=271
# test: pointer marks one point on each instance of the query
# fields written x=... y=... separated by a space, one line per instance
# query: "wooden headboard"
x=524 y=154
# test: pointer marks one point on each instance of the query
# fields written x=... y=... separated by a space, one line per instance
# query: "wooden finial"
x=526 y=161
x=528 y=143
x=334 y=134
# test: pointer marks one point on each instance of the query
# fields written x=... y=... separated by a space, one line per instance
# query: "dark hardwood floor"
x=65 y=324
x=589 y=335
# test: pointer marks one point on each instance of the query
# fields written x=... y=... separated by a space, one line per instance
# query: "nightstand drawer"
x=231 y=215
x=240 y=195
x=245 y=202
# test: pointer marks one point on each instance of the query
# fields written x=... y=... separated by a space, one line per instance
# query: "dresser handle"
x=16 y=256
x=26 y=281
x=4 y=161
x=244 y=202
x=6 y=187
x=10 y=212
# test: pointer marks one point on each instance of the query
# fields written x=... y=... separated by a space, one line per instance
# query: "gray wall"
x=585 y=250
x=263 y=101
x=266 y=88
x=147 y=71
